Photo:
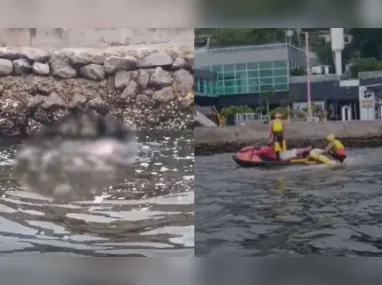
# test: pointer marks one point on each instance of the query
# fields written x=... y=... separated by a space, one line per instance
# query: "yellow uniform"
x=277 y=133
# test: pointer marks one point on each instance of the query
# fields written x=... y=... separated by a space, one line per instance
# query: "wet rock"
x=143 y=78
x=21 y=66
x=160 y=78
x=121 y=79
x=116 y=63
x=6 y=67
x=78 y=101
x=62 y=69
x=144 y=100
x=130 y=91
x=39 y=68
x=164 y=95
x=183 y=82
x=34 y=101
x=44 y=85
x=54 y=100
x=180 y=63
x=160 y=58
x=93 y=72
x=99 y=105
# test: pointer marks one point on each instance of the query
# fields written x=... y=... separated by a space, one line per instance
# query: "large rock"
x=191 y=60
x=183 y=82
x=121 y=79
x=77 y=100
x=6 y=67
x=164 y=95
x=115 y=63
x=54 y=100
x=143 y=99
x=21 y=66
x=99 y=105
x=93 y=71
x=160 y=78
x=39 y=68
x=62 y=69
x=44 y=85
x=180 y=63
x=80 y=57
x=130 y=91
x=143 y=78
x=160 y=58
x=32 y=54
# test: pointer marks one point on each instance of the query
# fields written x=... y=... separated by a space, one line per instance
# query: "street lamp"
x=308 y=77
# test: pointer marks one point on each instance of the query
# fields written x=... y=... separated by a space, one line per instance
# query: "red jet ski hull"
x=265 y=156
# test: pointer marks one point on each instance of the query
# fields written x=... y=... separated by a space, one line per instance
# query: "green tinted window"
x=280 y=64
x=280 y=72
x=266 y=65
x=240 y=66
x=253 y=73
x=228 y=67
x=217 y=68
x=265 y=88
x=252 y=66
x=266 y=81
x=281 y=80
x=253 y=89
x=266 y=72
x=281 y=87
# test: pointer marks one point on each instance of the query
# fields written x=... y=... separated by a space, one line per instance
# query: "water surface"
x=148 y=213
x=290 y=211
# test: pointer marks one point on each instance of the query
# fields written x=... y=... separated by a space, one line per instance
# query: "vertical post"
x=308 y=77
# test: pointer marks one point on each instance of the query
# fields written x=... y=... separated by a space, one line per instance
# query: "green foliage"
x=236 y=110
x=365 y=64
x=282 y=110
x=297 y=72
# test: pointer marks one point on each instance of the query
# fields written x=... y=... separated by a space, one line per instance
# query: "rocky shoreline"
x=148 y=86
x=209 y=141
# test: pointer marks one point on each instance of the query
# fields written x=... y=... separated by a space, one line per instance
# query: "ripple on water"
x=149 y=212
x=293 y=211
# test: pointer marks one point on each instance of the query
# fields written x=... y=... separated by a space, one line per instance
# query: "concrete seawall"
x=146 y=86
x=230 y=139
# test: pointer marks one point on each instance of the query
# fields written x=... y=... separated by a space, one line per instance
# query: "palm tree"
x=265 y=97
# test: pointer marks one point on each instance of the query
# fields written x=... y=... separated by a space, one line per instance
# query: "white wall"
x=91 y=37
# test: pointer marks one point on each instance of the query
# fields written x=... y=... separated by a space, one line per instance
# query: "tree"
x=264 y=98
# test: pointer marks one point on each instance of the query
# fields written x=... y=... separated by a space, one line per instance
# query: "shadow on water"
x=289 y=211
x=149 y=213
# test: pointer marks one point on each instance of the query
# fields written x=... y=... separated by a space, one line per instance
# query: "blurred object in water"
x=76 y=157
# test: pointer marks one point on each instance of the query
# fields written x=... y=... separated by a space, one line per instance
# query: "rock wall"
x=231 y=139
x=148 y=87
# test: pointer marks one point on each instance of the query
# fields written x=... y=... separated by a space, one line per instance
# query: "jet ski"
x=265 y=156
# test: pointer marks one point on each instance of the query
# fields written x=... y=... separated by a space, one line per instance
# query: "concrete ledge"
x=230 y=139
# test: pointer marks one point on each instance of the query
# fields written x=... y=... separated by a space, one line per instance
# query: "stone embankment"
x=146 y=86
x=231 y=139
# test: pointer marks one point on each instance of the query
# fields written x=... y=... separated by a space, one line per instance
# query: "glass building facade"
x=245 y=78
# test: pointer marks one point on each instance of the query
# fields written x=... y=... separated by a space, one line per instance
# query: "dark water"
x=149 y=214
x=292 y=211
